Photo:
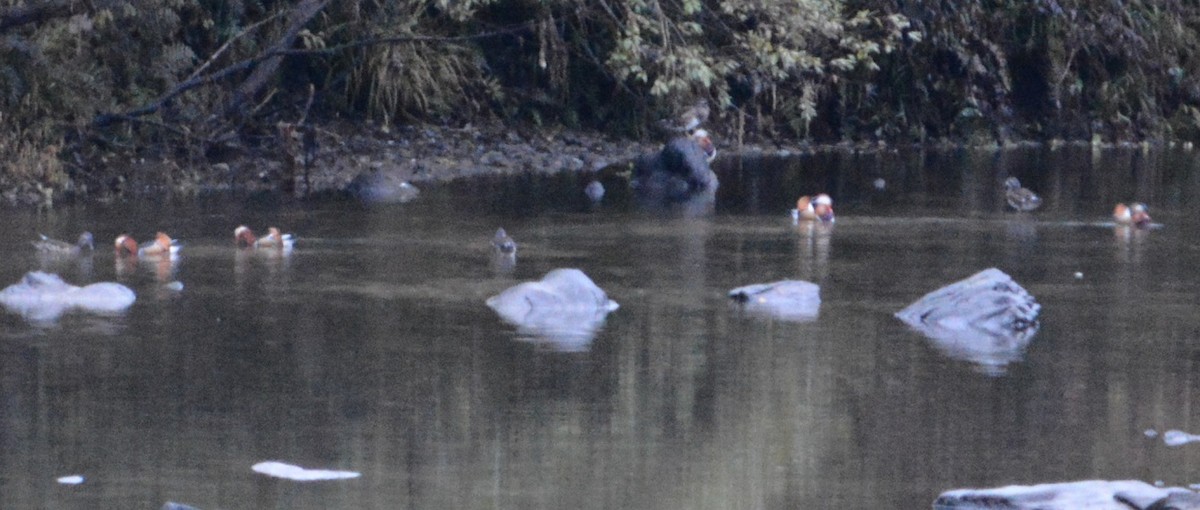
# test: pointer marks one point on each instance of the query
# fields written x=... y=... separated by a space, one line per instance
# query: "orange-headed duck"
x=162 y=246
x=1020 y=198
x=1136 y=214
x=275 y=240
x=818 y=207
x=706 y=144
x=56 y=247
x=504 y=244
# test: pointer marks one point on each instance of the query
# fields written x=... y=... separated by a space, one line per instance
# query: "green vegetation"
x=84 y=82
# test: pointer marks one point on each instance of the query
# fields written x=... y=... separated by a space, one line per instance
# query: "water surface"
x=369 y=348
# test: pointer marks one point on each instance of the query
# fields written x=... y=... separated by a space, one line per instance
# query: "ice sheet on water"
x=299 y=474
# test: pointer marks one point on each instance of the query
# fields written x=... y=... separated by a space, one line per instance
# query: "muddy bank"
x=335 y=153
x=339 y=152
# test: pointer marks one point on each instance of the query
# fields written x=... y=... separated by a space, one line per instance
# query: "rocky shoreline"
x=342 y=151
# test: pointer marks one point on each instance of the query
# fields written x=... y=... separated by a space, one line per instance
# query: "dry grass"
x=413 y=80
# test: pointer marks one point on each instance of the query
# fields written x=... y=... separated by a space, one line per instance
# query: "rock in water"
x=793 y=300
x=987 y=318
x=374 y=187
x=678 y=172
x=1092 y=494
x=45 y=296
x=564 y=308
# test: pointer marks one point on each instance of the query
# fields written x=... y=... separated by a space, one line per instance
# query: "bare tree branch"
x=265 y=70
x=107 y=119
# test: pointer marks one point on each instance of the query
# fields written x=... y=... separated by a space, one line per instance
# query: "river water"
x=369 y=348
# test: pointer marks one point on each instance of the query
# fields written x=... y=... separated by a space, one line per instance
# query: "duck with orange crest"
x=243 y=237
x=815 y=208
x=1135 y=214
x=162 y=247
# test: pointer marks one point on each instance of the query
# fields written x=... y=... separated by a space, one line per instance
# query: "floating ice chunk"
x=1178 y=438
x=299 y=474
x=71 y=479
x=1151 y=433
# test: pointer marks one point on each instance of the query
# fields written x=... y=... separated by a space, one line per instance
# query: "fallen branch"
x=263 y=72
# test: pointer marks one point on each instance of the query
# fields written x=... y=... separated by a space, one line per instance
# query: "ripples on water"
x=369 y=349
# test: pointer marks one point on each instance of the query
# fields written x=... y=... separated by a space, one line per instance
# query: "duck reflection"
x=812 y=248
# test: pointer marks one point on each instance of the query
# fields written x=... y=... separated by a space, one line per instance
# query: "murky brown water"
x=370 y=349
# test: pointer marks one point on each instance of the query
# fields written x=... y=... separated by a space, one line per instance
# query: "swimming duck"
x=244 y=238
x=162 y=246
x=1136 y=214
x=504 y=244
x=1020 y=198
x=817 y=207
x=706 y=144
x=56 y=247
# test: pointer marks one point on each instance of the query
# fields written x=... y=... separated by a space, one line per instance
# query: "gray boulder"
x=1091 y=494
x=565 y=308
x=987 y=319
x=677 y=173
x=381 y=187
x=791 y=300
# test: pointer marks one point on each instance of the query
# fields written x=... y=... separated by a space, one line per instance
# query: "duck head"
x=1012 y=184
x=164 y=242
x=1121 y=214
x=243 y=237
x=804 y=204
x=125 y=246
x=823 y=207
x=86 y=242
x=1139 y=214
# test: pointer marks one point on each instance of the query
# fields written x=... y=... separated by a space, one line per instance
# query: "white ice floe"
x=299 y=474
x=71 y=479
x=1178 y=438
